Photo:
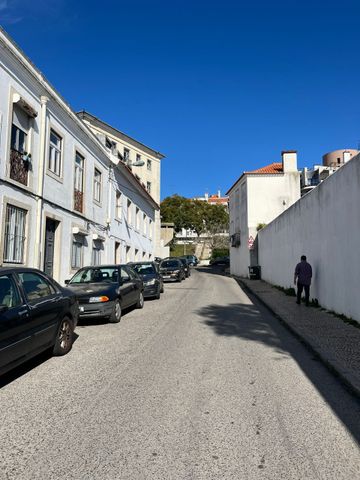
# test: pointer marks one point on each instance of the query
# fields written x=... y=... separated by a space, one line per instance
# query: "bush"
x=220 y=252
x=177 y=250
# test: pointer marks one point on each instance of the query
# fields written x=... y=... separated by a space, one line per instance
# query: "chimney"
x=219 y=194
x=206 y=196
x=289 y=161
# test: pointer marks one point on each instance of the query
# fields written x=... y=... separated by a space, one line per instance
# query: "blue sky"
x=218 y=87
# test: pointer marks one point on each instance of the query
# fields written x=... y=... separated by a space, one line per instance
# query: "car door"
x=138 y=285
x=126 y=287
x=46 y=307
x=15 y=327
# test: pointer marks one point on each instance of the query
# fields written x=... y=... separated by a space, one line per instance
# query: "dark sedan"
x=172 y=269
x=153 y=282
x=220 y=261
x=36 y=314
x=186 y=266
x=104 y=291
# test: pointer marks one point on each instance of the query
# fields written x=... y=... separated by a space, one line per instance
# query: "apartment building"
x=65 y=201
x=255 y=199
x=143 y=161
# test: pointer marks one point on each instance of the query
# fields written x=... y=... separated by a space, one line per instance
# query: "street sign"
x=251 y=242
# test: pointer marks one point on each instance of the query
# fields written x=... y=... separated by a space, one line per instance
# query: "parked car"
x=186 y=266
x=172 y=269
x=220 y=261
x=36 y=314
x=149 y=272
x=193 y=260
x=105 y=290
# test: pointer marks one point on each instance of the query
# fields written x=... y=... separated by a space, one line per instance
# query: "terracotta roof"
x=272 y=168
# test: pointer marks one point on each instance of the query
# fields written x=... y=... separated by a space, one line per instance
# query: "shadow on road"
x=255 y=323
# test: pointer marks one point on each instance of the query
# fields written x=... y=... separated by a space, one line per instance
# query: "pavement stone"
x=336 y=343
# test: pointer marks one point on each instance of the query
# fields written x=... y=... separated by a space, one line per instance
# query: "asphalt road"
x=203 y=384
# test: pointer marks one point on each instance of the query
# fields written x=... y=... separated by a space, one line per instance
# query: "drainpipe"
x=40 y=186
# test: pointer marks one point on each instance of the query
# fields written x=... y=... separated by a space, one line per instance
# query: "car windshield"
x=144 y=269
x=96 y=275
x=170 y=264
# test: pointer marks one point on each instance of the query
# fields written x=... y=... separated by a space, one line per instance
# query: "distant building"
x=337 y=158
x=215 y=199
x=332 y=161
x=257 y=197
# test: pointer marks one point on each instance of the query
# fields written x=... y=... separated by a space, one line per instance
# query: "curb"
x=330 y=363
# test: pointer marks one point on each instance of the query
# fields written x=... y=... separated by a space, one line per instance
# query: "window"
x=150 y=228
x=148 y=187
x=126 y=154
x=96 y=252
x=129 y=206
x=35 y=286
x=9 y=295
x=137 y=218
x=144 y=224
x=125 y=277
x=138 y=157
x=14 y=240
x=128 y=254
x=136 y=254
x=97 y=185
x=118 y=204
x=77 y=251
x=20 y=129
x=148 y=165
x=55 y=148
x=79 y=182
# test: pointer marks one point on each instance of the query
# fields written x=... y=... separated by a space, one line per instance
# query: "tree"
x=196 y=215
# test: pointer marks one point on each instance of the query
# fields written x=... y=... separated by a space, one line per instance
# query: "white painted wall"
x=258 y=199
x=324 y=225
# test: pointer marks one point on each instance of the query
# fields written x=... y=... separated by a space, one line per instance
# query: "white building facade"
x=143 y=161
x=255 y=199
x=65 y=202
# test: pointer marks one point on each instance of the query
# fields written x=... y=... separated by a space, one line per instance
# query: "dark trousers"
x=300 y=288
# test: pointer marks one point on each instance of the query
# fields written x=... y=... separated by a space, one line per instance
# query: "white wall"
x=324 y=225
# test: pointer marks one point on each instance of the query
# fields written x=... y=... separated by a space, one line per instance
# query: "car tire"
x=162 y=289
x=116 y=313
x=140 y=302
x=157 y=296
x=64 y=337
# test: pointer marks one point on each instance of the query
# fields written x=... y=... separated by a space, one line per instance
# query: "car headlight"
x=101 y=299
x=150 y=282
x=176 y=271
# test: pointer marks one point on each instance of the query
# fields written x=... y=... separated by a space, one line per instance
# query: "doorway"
x=50 y=229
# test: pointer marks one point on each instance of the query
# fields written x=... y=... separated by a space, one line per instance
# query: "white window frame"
x=79 y=172
x=97 y=185
x=149 y=165
x=77 y=252
x=96 y=253
x=148 y=187
x=129 y=211
x=150 y=228
x=14 y=234
x=118 y=205
x=55 y=154
x=137 y=218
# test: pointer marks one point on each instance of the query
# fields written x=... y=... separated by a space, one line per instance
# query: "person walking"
x=303 y=274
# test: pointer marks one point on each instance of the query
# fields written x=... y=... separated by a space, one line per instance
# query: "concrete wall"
x=324 y=225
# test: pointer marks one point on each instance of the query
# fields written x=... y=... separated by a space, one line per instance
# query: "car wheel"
x=157 y=296
x=115 y=316
x=162 y=289
x=64 y=338
x=140 y=302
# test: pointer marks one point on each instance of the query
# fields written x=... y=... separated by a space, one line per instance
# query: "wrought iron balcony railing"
x=19 y=168
x=78 y=200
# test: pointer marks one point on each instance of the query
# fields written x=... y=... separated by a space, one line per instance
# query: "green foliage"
x=288 y=291
x=260 y=226
x=220 y=252
x=177 y=250
x=196 y=215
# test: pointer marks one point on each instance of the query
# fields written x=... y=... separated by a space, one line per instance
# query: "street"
x=202 y=384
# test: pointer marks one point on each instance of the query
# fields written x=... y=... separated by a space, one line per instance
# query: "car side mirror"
x=3 y=308
x=67 y=282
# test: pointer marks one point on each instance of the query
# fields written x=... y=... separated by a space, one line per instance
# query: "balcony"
x=19 y=168
x=78 y=200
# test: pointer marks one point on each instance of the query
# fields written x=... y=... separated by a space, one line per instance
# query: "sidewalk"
x=335 y=342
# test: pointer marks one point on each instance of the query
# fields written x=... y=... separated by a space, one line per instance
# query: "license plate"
x=166 y=276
